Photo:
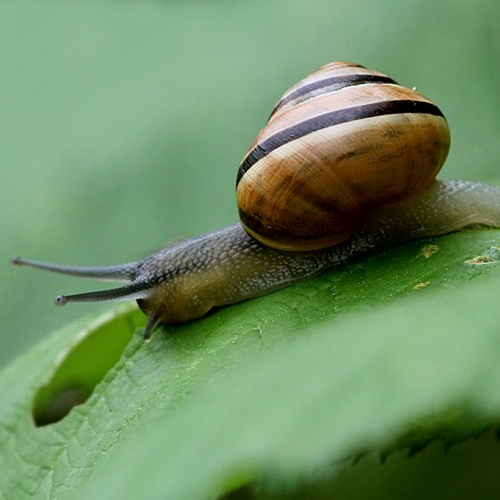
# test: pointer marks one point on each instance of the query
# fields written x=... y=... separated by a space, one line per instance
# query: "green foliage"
x=270 y=392
x=122 y=127
x=123 y=122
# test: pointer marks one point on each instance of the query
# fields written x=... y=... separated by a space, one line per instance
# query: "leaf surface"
x=391 y=351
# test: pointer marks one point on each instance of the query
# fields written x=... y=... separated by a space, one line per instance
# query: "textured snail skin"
x=186 y=280
x=227 y=266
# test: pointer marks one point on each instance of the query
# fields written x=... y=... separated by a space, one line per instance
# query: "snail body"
x=370 y=150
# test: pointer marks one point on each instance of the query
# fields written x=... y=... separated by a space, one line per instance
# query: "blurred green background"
x=122 y=123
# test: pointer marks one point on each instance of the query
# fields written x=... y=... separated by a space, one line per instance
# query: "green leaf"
x=389 y=352
x=340 y=390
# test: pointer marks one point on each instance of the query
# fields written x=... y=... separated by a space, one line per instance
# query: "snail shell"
x=342 y=142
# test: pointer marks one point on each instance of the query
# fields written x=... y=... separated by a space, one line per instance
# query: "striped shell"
x=339 y=144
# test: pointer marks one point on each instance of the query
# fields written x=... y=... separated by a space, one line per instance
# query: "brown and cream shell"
x=342 y=142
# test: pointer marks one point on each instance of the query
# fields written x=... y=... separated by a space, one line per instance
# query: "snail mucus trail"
x=346 y=164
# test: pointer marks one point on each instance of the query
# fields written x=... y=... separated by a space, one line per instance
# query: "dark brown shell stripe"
x=330 y=120
x=330 y=84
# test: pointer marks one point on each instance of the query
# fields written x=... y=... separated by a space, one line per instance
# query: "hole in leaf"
x=83 y=364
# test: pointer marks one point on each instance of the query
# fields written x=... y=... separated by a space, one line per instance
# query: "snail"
x=346 y=164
